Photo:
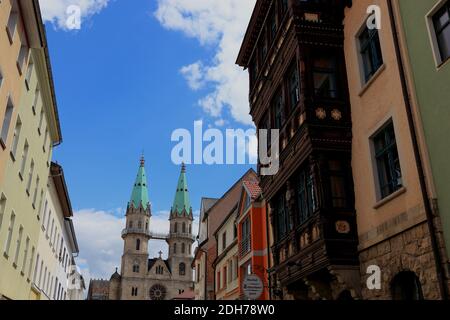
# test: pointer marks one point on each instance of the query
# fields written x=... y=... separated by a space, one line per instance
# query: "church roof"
x=182 y=201
x=151 y=263
x=115 y=276
x=139 y=195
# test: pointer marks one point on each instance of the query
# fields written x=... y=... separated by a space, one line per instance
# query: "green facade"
x=432 y=86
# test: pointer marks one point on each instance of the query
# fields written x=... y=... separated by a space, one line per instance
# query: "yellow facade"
x=393 y=233
x=33 y=131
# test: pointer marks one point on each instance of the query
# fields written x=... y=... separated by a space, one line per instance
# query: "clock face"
x=158 y=292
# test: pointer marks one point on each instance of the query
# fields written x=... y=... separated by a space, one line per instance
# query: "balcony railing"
x=135 y=231
x=157 y=235
x=183 y=235
x=245 y=247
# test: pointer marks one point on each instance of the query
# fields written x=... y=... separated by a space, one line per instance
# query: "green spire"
x=182 y=195
x=140 y=192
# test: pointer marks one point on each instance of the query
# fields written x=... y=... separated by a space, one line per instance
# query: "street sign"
x=253 y=287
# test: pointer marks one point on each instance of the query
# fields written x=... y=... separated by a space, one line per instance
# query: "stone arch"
x=406 y=285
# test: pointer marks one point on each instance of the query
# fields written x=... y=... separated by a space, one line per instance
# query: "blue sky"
x=124 y=82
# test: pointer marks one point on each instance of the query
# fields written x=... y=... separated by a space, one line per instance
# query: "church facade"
x=144 y=278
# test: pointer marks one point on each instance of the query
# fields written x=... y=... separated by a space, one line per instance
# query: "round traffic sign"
x=253 y=287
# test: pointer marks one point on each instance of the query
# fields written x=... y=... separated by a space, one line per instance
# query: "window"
x=306 y=195
x=283 y=6
x=138 y=244
x=197 y=273
x=294 y=86
x=24 y=158
x=324 y=73
x=235 y=231
x=224 y=240
x=10 y=234
x=159 y=270
x=52 y=230
x=136 y=267
x=40 y=273
x=246 y=239
x=278 y=110
x=224 y=274
x=12 y=21
x=263 y=48
x=183 y=228
x=35 y=193
x=16 y=136
x=2 y=209
x=40 y=203
x=1 y=78
x=441 y=22
x=45 y=140
x=247 y=202
x=338 y=184
x=25 y=255
x=45 y=214
x=282 y=216
x=387 y=161
x=36 y=268
x=174 y=248
x=6 y=122
x=29 y=73
x=30 y=177
x=41 y=116
x=30 y=267
x=219 y=284
x=18 y=244
x=22 y=58
x=273 y=26
x=175 y=227
x=182 y=269
x=134 y=292
x=183 y=248
x=48 y=224
x=370 y=51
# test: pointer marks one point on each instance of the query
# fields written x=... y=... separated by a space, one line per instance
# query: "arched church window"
x=130 y=225
x=183 y=248
x=175 y=227
x=138 y=244
x=140 y=224
x=175 y=248
x=184 y=227
x=134 y=292
x=159 y=270
x=190 y=228
x=146 y=225
x=136 y=267
x=182 y=269
x=406 y=286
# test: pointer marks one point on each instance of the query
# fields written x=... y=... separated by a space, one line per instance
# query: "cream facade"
x=226 y=264
x=391 y=217
x=30 y=129
x=55 y=273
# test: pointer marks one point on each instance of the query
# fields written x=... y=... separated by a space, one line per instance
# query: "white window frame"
x=439 y=61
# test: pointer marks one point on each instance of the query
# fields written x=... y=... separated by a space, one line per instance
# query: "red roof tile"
x=253 y=189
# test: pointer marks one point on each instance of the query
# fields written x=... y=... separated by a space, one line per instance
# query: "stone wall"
x=410 y=250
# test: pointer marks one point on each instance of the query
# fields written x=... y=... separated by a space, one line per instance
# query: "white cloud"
x=62 y=15
x=194 y=74
x=101 y=246
x=221 y=24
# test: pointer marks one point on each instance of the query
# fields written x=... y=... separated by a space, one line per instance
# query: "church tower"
x=136 y=236
x=180 y=239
